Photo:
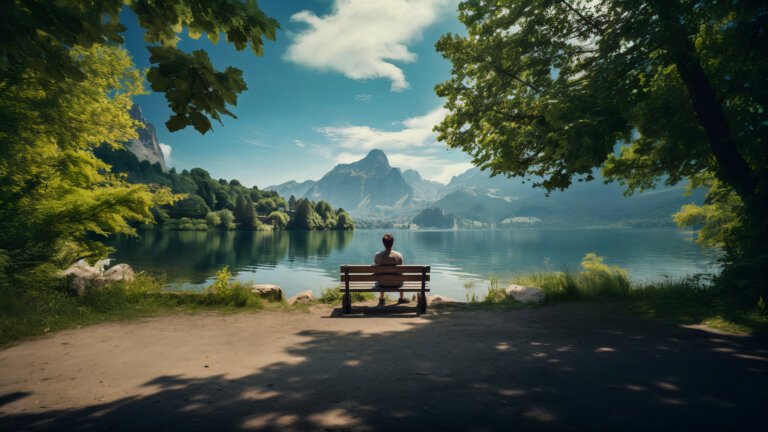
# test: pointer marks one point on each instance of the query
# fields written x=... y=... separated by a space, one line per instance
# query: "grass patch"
x=691 y=300
x=46 y=306
x=333 y=296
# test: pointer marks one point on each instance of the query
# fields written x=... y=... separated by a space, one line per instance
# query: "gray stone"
x=525 y=294
x=81 y=277
x=302 y=297
x=119 y=273
x=267 y=292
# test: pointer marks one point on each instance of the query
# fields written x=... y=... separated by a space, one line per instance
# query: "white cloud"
x=299 y=143
x=364 y=97
x=257 y=143
x=363 y=38
x=166 y=149
x=416 y=132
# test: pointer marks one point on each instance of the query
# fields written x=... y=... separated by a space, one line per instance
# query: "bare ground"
x=578 y=366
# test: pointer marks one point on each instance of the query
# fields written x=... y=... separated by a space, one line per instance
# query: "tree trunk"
x=733 y=168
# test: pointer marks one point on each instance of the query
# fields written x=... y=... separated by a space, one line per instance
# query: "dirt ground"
x=578 y=366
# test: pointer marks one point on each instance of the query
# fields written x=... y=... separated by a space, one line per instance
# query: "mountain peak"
x=375 y=160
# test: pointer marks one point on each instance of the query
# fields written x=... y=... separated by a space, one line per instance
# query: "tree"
x=227 y=219
x=245 y=215
x=344 y=221
x=191 y=206
x=547 y=89
x=56 y=196
x=39 y=35
x=279 y=219
x=433 y=217
x=325 y=210
x=213 y=220
x=305 y=217
x=292 y=203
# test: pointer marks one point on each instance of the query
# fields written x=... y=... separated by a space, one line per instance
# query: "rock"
x=302 y=297
x=436 y=298
x=525 y=294
x=81 y=277
x=119 y=273
x=268 y=292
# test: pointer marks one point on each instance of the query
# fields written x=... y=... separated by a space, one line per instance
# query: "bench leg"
x=346 y=303
x=422 y=304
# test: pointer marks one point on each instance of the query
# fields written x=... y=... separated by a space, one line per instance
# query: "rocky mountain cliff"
x=145 y=147
x=424 y=191
x=369 y=186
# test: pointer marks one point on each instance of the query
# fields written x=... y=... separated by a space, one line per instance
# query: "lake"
x=298 y=260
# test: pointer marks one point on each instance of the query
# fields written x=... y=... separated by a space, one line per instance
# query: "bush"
x=334 y=296
x=227 y=293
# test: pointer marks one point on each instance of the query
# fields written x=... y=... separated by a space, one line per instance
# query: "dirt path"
x=567 y=367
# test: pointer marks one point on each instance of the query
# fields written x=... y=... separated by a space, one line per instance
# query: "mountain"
x=369 y=186
x=292 y=188
x=498 y=200
x=423 y=190
x=145 y=147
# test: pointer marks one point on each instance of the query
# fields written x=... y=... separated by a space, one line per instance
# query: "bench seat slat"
x=373 y=268
x=387 y=277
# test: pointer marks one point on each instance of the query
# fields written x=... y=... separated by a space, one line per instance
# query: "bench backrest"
x=375 y=273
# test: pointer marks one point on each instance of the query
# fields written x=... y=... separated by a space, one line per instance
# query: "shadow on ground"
x=564 y=367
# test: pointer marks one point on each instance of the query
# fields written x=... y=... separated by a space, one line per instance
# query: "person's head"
x=388 y=241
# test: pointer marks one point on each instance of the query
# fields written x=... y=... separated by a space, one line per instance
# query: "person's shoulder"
x=398 y=255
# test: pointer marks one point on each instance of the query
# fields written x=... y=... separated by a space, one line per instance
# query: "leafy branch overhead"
x=37 y=36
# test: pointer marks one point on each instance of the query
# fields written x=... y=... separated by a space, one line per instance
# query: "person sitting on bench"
x=389 y=257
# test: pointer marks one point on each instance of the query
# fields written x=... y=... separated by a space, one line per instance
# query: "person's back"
x=385 y=258
x=388 y=258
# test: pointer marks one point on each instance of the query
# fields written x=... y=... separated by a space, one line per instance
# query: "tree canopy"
x=39 y=35
x=56 y=194
x=549 y=90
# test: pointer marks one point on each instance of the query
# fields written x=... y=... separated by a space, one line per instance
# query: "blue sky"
x=343 y=77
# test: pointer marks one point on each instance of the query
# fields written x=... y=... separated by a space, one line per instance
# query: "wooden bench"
x=363 y=278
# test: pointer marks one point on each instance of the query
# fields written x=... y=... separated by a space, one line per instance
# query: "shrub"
x=334 y=295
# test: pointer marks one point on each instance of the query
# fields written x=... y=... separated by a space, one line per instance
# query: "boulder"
x=81 y=277
x=119 y=273
x=302 y=297
x=525 y=294
x=267 y=292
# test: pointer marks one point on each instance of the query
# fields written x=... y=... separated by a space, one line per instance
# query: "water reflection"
x=310 y=260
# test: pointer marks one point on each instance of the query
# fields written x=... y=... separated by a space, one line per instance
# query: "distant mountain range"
x=372 y=188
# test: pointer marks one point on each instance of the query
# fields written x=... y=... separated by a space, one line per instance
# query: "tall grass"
x=596 y=279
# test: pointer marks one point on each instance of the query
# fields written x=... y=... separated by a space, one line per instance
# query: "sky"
x=343 y=77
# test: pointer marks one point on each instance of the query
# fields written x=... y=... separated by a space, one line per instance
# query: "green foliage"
x=596 y=279
x=305 y=217
x=245 y=215
x=344 y=221
x=279 y=219
x=335 y=294
x=55 y=194
x=433 y=217
x=191 y=206
x=547 y=89
x=40 y=36
x=225 y=292
x=719 y=219
x=227 y=219
x=212 y=220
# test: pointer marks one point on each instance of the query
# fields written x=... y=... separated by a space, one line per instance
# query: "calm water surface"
x=310 y=260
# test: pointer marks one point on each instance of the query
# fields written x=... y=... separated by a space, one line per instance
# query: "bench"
x=363 y=278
